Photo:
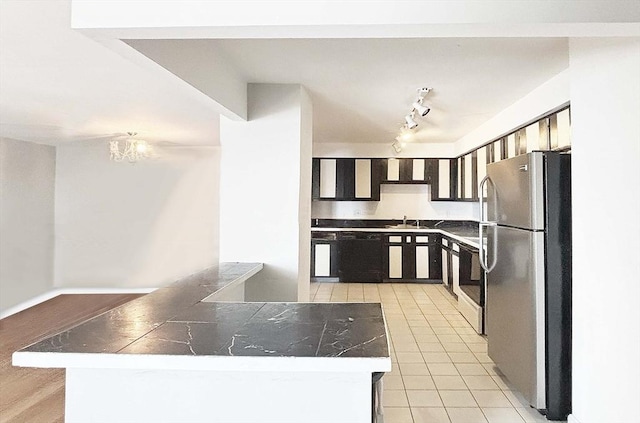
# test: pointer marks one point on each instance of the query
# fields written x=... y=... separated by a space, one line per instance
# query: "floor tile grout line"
x=411 y=303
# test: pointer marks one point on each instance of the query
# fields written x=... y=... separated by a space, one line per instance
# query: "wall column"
x=265 y=191
x=605 y=105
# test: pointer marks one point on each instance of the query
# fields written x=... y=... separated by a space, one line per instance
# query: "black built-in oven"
x=471 y=275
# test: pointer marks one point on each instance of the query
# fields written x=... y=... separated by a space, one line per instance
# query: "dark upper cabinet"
x=443 y=179
x=408 y=171
x=468 y=177
x=454 y=179
x=346 y=179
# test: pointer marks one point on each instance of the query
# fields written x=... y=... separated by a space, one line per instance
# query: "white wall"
x=304 y=214
x=211 y=74
x=265 y=189
x=321 y=149
x=134 y=225
x=548 y=96
x=395 y=202
x=27 y=178
x=605 y=110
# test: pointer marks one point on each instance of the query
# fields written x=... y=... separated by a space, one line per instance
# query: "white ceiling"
x=57 y=85
x=362 y=88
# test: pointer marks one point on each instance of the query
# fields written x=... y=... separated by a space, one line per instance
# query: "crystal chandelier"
x=133 y=151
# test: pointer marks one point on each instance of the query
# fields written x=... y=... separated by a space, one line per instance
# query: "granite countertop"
x=170 y=326
x=463 y=231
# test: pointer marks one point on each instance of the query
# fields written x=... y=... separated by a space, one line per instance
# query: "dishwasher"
x=360 y=257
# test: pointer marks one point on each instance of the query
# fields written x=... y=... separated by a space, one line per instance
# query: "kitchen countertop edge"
x=466 y=240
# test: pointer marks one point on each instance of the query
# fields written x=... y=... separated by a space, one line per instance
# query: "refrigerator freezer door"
x=515 y=194
x=515 y=312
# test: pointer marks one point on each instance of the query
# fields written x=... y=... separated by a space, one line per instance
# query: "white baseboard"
x=59 y=291
x=572 y=419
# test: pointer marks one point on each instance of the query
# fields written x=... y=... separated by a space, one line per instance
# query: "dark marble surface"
x=173 y=321
x=461 y=228
x=383 y=223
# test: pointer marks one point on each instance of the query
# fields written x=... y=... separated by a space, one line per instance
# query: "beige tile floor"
x=441 y=370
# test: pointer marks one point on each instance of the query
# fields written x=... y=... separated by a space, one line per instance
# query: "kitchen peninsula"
x=169 y=356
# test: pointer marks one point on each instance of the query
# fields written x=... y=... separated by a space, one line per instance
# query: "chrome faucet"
x=442 y=221
x=404 y=220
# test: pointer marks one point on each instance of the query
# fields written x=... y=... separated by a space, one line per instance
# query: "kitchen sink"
x=402 y=226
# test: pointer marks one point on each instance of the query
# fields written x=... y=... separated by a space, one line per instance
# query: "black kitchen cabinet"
x=443 y=179
x=467 y=177
x=408 y=170
x=324 y=256
x=346 y=179
x=451 y=179
x=411 y=257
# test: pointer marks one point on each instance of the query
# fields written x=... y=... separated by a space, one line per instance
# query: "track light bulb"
x=411 y=124
x=421 y=108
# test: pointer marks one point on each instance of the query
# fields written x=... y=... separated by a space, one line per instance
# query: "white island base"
x=190 y=396
x=168 y=357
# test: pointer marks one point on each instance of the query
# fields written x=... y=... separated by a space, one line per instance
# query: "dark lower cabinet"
x=410 y=257
x=324 y=256
x=361 y=256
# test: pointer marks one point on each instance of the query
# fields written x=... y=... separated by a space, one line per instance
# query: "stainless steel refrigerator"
x=526 y=228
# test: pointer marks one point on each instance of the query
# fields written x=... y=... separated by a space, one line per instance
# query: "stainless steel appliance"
x=471 y=293
x=528 y=264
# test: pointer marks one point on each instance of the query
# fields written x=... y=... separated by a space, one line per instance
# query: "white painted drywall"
x=308 y=18
x=27 y=178
x=378 y=150
x=395 y=202
x=264 y=180
x=548 y=96
x=304 y=203
x=214 y=75
x=134 y=225
x=605 y=111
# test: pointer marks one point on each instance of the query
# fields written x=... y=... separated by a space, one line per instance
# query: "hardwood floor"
x=37 y=395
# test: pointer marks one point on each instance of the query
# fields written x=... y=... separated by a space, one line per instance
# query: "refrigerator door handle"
x=485 y=223
x=481 y=199
x=481 y=252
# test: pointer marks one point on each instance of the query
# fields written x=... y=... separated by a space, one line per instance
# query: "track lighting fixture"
x=421 y=108
x=410 y=122
x=418 y=107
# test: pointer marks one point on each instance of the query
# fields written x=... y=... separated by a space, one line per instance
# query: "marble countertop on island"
x=171 y=328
